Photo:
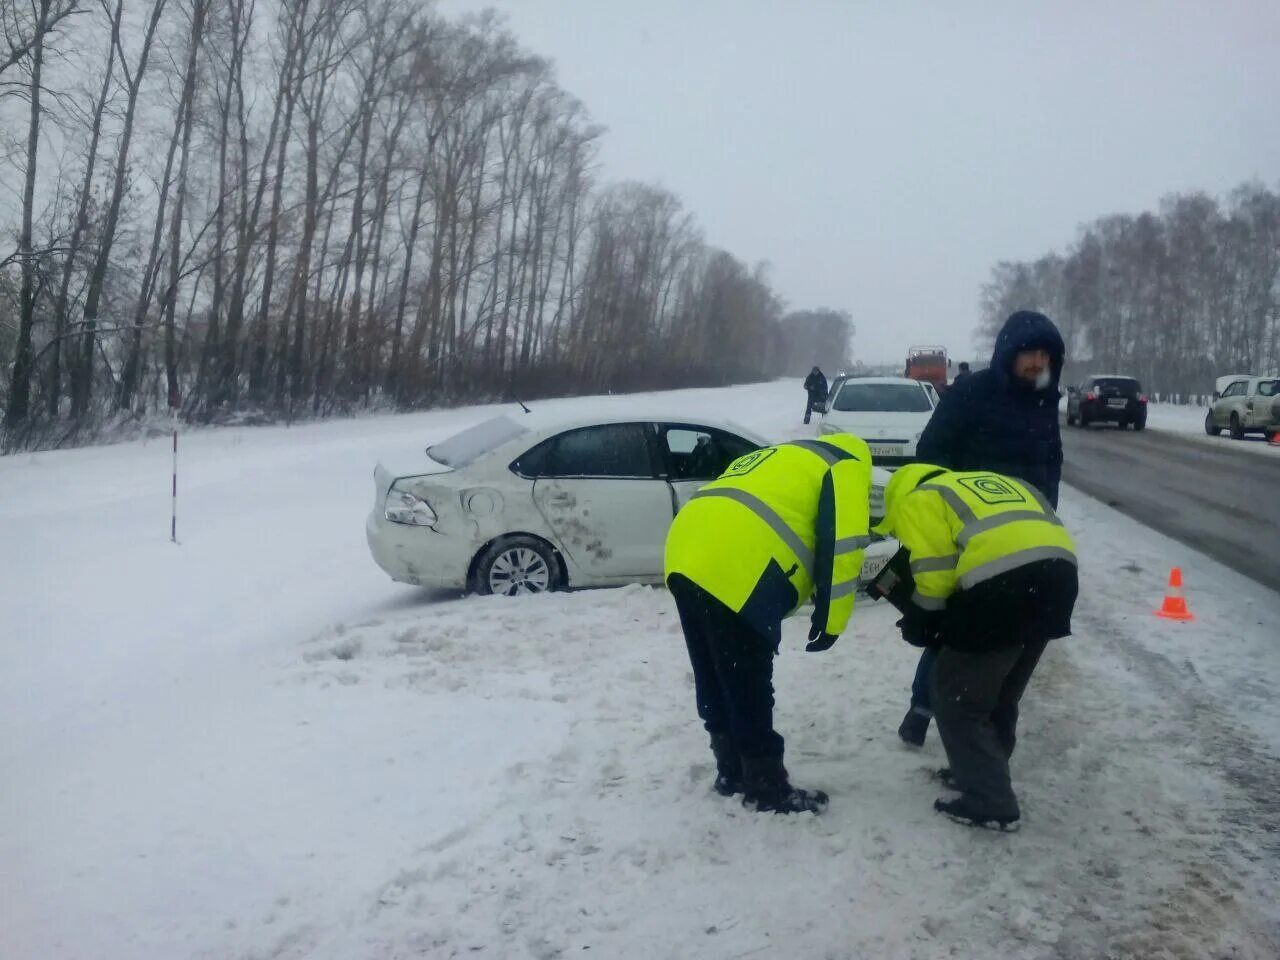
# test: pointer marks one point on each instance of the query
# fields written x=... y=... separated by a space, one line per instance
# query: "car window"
x=1236 y=389
x=463 y=449
x=608 y=450
x=1268 y=388
x=882 y=398
x=702 y=453
x=1126 y=385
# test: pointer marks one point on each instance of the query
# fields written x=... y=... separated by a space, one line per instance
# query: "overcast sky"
x=881 y=156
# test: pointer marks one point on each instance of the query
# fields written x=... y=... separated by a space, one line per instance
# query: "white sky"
x=883 y=156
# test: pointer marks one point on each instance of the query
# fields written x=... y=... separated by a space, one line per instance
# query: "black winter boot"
x=963 y=809
x=914 y=728
x=728 y=765
x=768 y=789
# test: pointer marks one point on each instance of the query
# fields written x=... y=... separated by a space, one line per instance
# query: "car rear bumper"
x=1101 y=412
x=417 y=555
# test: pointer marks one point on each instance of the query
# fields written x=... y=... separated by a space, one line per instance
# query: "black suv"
x=1117 y=400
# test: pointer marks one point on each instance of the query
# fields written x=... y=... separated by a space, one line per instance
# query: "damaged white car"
x=518 y=505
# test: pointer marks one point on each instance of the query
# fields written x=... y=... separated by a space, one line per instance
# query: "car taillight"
x=1142 y=398
x=1089 y=396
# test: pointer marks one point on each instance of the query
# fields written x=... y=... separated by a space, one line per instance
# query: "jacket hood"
x=900 y=484
x=1027 y=330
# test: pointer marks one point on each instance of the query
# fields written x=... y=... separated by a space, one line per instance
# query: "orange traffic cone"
x=1175 y=605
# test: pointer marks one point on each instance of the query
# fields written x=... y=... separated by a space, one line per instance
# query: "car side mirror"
x=1217 y=395
x=820 y=406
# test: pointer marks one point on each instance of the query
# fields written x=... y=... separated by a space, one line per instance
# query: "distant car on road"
x=1107 y=398
x=1247 y=405
x=518 y=505
x=890 y=413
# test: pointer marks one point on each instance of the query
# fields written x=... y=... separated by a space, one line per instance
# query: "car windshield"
x=882 y=398
x=471 y=444
x=1125 y=385
x=1268 y=388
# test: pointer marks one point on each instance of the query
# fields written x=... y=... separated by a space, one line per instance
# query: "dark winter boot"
x=963 y=809
x=768 y=789
x=728 y=766
x=946 y=778
x=914 y=728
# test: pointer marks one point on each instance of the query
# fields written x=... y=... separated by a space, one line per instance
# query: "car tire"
x=1211 y=428
x=1084 y=419
x=1072 y=419
x=517 y=565
x=1140 y=423
x=1237 y=431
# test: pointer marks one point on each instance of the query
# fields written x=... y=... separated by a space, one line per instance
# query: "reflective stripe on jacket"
x=780 y=525
x=963 y=529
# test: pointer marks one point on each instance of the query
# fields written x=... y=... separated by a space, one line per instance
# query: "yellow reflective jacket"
x=963 y=529
x=780 y=525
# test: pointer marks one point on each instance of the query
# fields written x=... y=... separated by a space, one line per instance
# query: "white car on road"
x=517 y=504
x=1246 y=405
x=890 y=413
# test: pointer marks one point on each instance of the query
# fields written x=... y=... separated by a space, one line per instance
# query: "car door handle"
x=561 y=498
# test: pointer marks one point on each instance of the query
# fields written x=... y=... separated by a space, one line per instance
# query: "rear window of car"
x=1125 y=385
x=882 y=398
x=1269 y=388
x=465 y=448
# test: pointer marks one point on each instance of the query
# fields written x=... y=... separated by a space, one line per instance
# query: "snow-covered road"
x=253 y=745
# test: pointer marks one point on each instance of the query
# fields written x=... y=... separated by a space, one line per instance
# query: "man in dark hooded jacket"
x=815 y=386
x=1003 y=419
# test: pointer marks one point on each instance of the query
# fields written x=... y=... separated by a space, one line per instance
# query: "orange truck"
x=929 y=364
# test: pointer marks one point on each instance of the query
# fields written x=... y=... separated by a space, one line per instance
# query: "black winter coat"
x=991 y=420
x=816 y=385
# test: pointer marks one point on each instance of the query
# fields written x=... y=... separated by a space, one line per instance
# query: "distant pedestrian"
x=815 y=386
x=962 y=374
x=1003 y=419
x=995 y=581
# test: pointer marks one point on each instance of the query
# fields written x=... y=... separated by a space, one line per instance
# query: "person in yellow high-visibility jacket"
x=995 y=581
x=781 y=525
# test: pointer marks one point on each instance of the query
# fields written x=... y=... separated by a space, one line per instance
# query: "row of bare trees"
x=1175 y=297
x=293 y=207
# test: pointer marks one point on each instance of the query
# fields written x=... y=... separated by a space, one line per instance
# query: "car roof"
x=913 y=382
x=550 y=423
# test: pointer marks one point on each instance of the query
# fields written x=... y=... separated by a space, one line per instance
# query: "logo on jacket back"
x=992 y=489
x=745 y=464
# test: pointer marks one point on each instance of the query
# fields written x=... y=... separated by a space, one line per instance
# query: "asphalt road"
x=1223 y=502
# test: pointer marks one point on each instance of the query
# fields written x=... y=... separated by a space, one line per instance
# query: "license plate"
x=885 y=449
x=1116 y=403
x=872 y=566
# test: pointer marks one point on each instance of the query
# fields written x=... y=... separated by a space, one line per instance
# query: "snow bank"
x=254 y=745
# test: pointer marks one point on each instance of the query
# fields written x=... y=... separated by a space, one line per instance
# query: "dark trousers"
x=732 y=671
x=975 y=700
x=808 y=409
x=920 y=699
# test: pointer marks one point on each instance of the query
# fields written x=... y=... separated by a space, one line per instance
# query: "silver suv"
x=1247 y=405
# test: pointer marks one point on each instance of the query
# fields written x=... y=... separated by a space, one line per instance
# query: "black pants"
x=975 y=702
x=808 y=409
x=732 y=671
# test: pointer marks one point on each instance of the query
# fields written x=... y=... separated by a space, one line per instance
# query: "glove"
x=916 y=632
x=820 y=640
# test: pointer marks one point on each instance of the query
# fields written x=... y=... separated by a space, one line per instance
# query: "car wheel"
x=1211 y=428
x=515 y=566
x=1237 y=431
x=1084 y=419
x=1140 y=423
x=1072 y=420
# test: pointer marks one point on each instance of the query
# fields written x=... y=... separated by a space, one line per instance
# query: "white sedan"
x=519 y=505
x=890 y=413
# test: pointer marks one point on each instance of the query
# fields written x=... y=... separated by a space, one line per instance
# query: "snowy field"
x=253 y=745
